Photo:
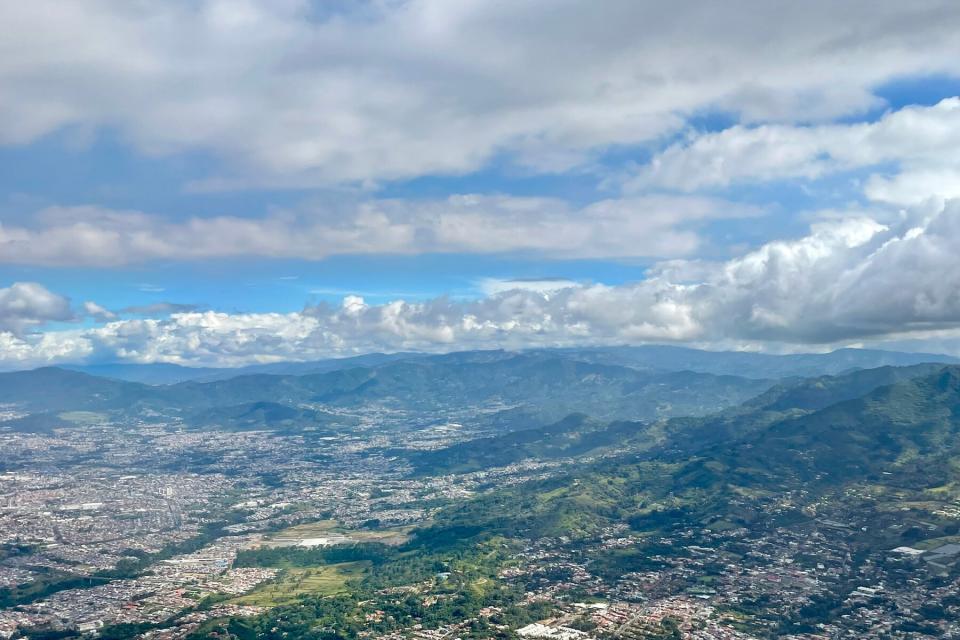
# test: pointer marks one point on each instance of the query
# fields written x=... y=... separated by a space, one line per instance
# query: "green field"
x=309 y=530
x=323 y=528
x=84 y=417
x=295 y=582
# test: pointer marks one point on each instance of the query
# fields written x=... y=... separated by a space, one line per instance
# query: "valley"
x=800 y=507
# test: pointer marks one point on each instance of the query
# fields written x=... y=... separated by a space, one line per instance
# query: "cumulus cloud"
x=848 y=281
x=915 y=185
x=653 y=226
x=493 y=286
x=923 y=143
x=389 y=90
x=25 y=305
x=97 y=312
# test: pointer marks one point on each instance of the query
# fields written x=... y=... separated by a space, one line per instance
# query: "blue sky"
x=483 y=177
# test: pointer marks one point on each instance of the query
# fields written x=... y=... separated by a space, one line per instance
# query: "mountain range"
x=896 y=444
x=512 y=391
x=580 y=435
x=519 y=389
x=645 y=357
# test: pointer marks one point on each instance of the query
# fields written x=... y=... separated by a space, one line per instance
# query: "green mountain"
x=742 y=363
x=162 y=373
x=558 y=386
x=900 y=440
x=790 y=399
x=54 y=389
x=577 y=435
x=257 y=416
x=646 y=357
x=553 y=387
x=822 y=391
x=574 y=436
x=533 y=389
x=543 y=388
x=890 y=430
x=153 y=374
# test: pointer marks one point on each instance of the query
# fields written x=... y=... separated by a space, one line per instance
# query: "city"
x=236 y=524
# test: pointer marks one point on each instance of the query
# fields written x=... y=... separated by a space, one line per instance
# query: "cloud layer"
x=846 y=282
x=923 y=144
x=290 y=95
x=652 y=226
x=358 y=100
x=27 y=304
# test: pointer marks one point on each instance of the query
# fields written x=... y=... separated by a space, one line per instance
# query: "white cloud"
x=25 y=305
x=658 y=226
x=403 y=89
x=924 y=143
x=915 y=185
x=97 y=312
x=493 y=286
x=848 y=281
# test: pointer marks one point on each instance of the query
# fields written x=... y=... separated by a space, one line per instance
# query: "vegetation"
x=890 y=450
x=548 y=387
x=294 y=583
x=904 y=435
x=385 y=592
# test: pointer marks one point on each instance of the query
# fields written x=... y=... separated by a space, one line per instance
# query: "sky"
x=220 y=183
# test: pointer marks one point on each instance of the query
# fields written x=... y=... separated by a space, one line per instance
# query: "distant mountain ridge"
x=902 y=439
x=162 y=373
x=644 y=357
x=528 y=390
x=543 y=387
x=752 y=364
x=579 y=435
